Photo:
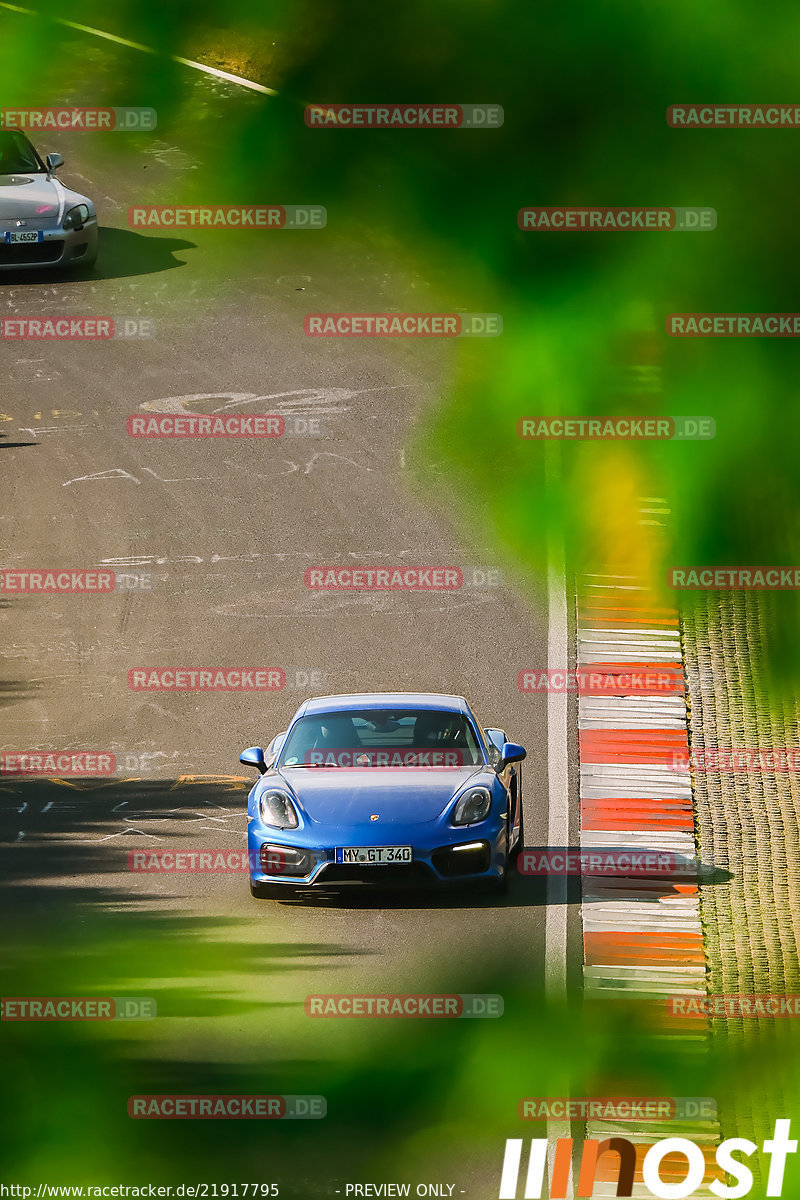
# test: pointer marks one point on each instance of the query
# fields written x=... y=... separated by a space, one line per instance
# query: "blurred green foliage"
x=584 y=88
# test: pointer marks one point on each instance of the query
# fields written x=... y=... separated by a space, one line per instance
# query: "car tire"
x=87 y=263
x=498 y=884
x=515 y=853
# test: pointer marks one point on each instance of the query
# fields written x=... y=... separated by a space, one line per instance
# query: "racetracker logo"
x=733 y=116
x=405 y=1005
x=103 y=119
x=617 y=1108
x=228 y=216
x=66 y=762
x=73 y=329
x=646 y=679
x=404 y=116
x=77 y=1008
x=780 y=1004
x=227 y=1108
x=213 y=862
x=403 y=325
x=617 y=428
x=569 y=860
x=63 y=582
x=722 y=761
x=388 y=758
x=734 y=579
x=625 y=220
x=733 y=324
x=681 y=1160
x=232 y=425
x=384 y=579
x=206 y=679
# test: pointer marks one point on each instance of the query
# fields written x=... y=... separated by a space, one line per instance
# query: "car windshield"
x=382 y=738
x=17 y=154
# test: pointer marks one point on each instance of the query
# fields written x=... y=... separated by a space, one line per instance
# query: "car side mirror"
x=54 y=161
x=253 y=757
x=511 y=752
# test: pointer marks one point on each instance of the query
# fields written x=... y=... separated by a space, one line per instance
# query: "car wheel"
x=84 y=264
x=515 y=853
x=498 y=885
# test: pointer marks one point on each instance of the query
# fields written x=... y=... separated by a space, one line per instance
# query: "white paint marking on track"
x=556 y=911
x=112 y=37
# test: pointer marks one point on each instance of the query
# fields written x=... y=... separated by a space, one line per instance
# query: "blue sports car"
x=383 y=788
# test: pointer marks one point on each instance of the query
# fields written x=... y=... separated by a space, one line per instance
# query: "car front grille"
x=397 y=874
x=31 y=252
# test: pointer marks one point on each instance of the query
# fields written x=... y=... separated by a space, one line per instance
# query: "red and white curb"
x=642 y=935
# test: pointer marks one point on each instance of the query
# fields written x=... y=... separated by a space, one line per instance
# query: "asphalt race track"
x=213 y=537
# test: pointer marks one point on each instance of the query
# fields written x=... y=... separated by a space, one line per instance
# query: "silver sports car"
x=42 y=223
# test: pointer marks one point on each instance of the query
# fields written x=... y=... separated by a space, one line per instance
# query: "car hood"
x=36 y=198
x=398 y=795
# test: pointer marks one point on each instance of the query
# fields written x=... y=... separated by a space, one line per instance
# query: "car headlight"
x=77 y=217
x=473 y=806
x=278 y=810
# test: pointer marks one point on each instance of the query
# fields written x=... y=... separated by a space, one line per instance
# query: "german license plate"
x=373 y=856
x=34 y=235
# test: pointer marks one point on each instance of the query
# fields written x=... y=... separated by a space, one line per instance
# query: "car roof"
x=413 y=700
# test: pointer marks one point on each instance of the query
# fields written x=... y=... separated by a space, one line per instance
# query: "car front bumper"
x=58 y=248
x=441 y=855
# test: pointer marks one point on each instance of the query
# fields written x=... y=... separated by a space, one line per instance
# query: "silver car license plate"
x=34 y=235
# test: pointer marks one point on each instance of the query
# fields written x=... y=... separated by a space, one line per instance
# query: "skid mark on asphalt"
x=326 y=604
x=226 y=783
x=310 y=401
x=113 y=473
x=172 y=157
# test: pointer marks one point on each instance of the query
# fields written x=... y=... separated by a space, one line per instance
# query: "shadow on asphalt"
x=77 y=923
x=80 y=922
x=122 y=254
x=4 y=445
x=522 y=892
